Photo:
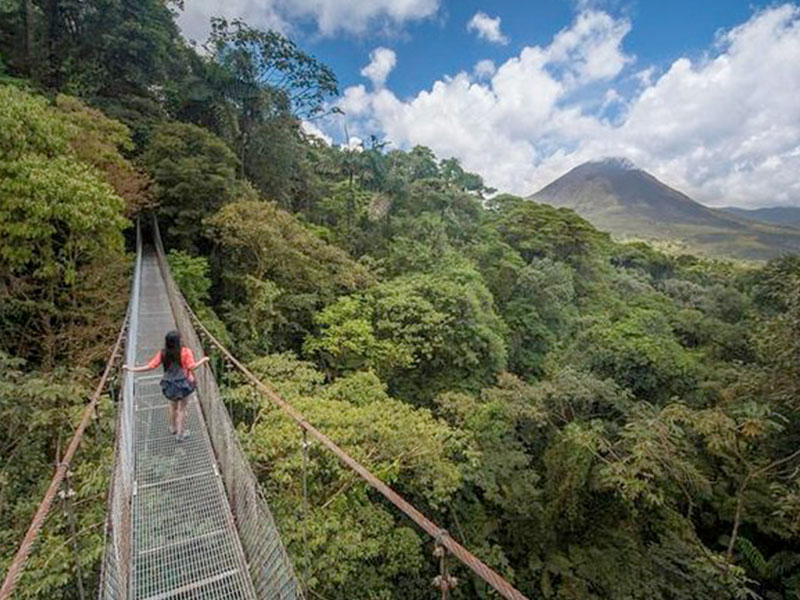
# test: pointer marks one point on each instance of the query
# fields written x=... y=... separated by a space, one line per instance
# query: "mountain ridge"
x=618 y=197
x=784 y=216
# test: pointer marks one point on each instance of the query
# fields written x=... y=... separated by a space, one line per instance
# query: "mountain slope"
x=787 y=216
x=630 y=203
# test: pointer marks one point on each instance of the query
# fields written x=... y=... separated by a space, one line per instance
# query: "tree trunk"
x=751 y=475
x=737 y=518
x=29 y=36
x=53 y=44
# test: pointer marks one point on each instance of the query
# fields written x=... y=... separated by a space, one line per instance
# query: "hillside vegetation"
x=595 y=420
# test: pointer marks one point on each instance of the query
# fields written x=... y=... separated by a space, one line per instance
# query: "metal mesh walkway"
x=185 y=543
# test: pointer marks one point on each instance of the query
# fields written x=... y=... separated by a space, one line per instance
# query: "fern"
x=782 y=563
x=753 y=556
x=793 y=587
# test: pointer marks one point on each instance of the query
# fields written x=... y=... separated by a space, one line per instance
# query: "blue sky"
x=703 y=94
x=662 y=31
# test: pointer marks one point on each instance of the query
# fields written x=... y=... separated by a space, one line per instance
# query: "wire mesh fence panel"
x=115 y=566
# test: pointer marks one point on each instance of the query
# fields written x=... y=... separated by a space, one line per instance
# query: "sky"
x=703 y=94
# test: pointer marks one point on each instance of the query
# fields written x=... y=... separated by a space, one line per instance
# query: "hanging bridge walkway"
x=187 y=520
x=184 y=537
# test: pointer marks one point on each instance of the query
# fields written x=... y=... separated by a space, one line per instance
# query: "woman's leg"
x=181 y=416
x=173 y=416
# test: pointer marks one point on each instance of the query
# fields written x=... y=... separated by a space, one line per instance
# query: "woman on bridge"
x=178 y=382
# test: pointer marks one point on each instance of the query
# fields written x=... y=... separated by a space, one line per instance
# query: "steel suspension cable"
x=442 y=538
x=18 y=564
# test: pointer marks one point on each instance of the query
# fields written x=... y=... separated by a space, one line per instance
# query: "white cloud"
x=355 y=16
x=382 y=61
x=611 y=97
x=715 y=126
x=310 y=128
x=487 y=28
x=484 y=69
x=725 y=129
x=355 y=144
x=194 y=18
x=592 y=47
x=645 y=76
x=330 y=16
x=355 y=101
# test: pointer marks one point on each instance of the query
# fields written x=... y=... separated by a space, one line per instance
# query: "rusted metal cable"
x=18 y=564
x=481 y=569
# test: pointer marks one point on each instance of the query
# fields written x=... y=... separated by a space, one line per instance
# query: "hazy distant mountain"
x=788 y=216
x=630 y=203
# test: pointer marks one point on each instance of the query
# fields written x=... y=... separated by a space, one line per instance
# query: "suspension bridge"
x=188 y=520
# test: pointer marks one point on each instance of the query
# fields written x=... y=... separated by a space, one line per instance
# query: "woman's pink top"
x=187 y=361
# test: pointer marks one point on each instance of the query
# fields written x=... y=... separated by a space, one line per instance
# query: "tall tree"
x=265 y=84
x=195 y=175
x=60 y=223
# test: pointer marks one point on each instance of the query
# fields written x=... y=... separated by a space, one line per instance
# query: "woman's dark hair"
x=171 y=354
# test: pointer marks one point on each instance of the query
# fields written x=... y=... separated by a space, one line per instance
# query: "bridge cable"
x=442 y=538
x=21 y=557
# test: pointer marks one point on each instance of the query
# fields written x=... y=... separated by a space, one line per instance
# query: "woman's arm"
x=138 y=369
x=202 y=361
x=154 y=363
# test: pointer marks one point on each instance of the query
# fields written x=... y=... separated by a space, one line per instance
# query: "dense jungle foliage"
x=594 y=420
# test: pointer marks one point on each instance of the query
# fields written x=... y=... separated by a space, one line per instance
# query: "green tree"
x=640 y=353
x=454 y=174
x=122 y=55
x=279 y=75
x=195 y=174
x=539 y=230
x=260 y=83
x=424 y=333
x=358 y=546
x=60 y=222
x=270 y=263
x=538 y=313
x=39 y=411
x=192 y=274
x=345 y=211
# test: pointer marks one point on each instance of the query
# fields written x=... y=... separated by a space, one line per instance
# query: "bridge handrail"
x=117 y=543
x=442 y=538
